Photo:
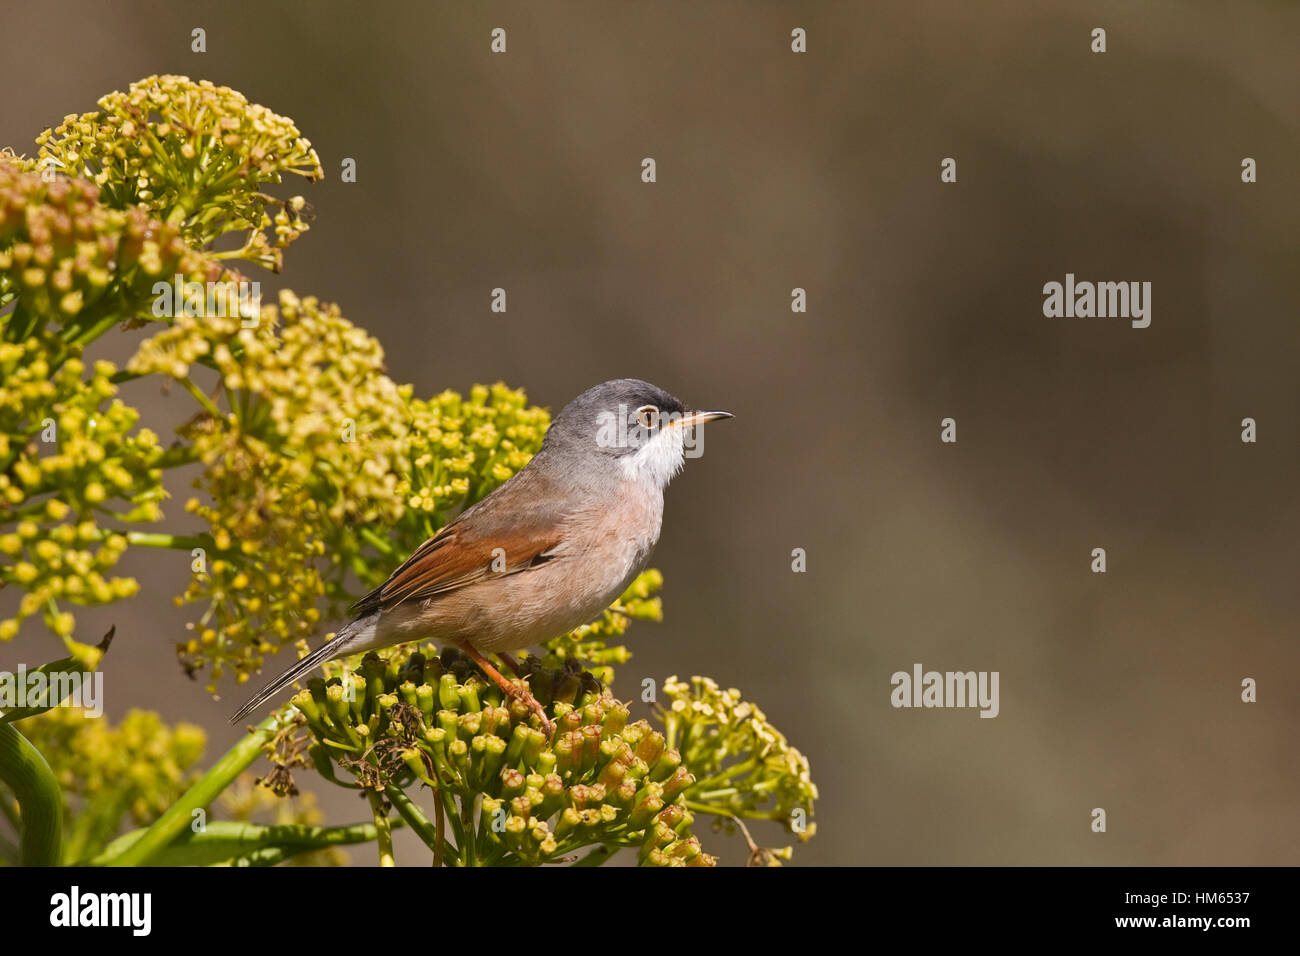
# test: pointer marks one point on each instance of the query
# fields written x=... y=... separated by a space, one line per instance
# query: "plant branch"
x=206 y=789
x=25 y=772
x=384 y=834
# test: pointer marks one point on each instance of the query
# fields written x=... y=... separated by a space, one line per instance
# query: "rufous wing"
x=497 y=536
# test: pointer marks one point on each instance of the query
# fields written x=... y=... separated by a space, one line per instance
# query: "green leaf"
x=84 y=660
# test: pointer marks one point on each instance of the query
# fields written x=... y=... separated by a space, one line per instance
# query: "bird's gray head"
x=630 y=425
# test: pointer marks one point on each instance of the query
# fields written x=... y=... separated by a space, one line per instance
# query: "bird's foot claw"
x=519 y=691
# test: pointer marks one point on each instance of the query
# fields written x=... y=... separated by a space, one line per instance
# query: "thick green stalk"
x=224 y=841
x=25 y=772
x=206 y=789
x=384 y=834
x=470 y=849
x=409 y=811
x=8 y=851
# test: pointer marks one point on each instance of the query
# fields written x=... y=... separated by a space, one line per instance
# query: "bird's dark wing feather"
x=517 y=518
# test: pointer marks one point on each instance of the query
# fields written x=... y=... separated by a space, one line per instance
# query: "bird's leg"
x=510 y=662
x=515 y=689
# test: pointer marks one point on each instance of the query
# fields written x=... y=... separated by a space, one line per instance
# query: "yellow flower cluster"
x=307 y=450
x=195 y=154
x=743 y=762
x=109 y=773
x=69 y=258
x=72 y=465
x=460 y=448
x=526 y=797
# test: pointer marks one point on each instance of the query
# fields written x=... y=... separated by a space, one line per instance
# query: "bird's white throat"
x=658 y=460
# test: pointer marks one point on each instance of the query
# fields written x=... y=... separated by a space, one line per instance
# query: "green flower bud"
x=487 y=754
x=522 y=805
x=458 y=750
x=533 y=745
x=518 y=742
x=657 y=836
x=512 y=783
x=568 y=752
x=469 y=699
x=468 y=725
x=407 y=690
x=676 y=817
x=448 y=696
x=582 y=796
x=424 y=701
x=650 y=747
x=665 y=766
x=590 y=747
x=686 y=850
x=645 y=804
x=545 y=763
x=677 y=783
x=656 y=857
x=569 y=820
x=496 y=721
x=553 y=796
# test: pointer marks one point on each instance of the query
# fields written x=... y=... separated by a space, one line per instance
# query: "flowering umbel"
x=196 y=155
x=316 y=475
x=521 y=797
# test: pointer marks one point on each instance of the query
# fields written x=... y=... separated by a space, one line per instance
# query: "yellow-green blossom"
x=71 y=260
x=195 y=154
x=111 y=774
x=73 y=466
x=318 y=476
x=745 y=765
x=416 y=717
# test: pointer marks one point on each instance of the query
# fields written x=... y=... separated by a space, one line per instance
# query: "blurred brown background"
x=821 y=171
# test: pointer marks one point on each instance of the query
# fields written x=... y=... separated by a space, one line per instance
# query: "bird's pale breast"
x=604 y=549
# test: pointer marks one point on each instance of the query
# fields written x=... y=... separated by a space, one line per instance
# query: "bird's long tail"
x=350 y=637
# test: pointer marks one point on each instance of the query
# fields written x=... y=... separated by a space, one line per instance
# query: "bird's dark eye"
x=647 y=416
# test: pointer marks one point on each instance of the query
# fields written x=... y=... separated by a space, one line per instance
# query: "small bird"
x=546 y=552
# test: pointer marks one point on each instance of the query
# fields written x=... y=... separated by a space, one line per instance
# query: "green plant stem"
x=384 y=835
x=714 y=810
x=25 y=772
x=206 y=789
x=22 y=322
x=383 y=544
x=469 y=854
x=223 y=842
x=8 y=851
x=180 y=455
x=439 y=826
x=208 y=405
x=451 y=816
x=723 y=776
x=99 y=327
x=597 y=856
x=10 y=811
x=181 y=211
x=415 y=818
x=96 y=820
x=160 y=539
